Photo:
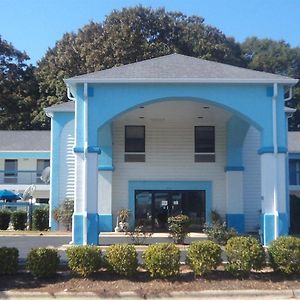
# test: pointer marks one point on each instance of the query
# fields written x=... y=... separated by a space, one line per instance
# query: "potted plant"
x=123 y=217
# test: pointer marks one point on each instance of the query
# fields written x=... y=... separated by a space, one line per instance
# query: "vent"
x=205 y=157
x=135 y=157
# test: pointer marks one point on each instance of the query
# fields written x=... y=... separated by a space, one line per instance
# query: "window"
x=294 y=171
x=134 y=143
x=41 y=164
x=11 y=171
x=205 y=144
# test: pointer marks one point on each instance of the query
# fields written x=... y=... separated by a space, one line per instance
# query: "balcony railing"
x=20 y=177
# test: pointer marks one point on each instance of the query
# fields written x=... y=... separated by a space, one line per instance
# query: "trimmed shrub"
x=285 y=254
x=203 y=257
x=8 y=261
x=121 y=259
x=19 y=219
x=42 y=262
x=40 y=219
x=178 y=227
x=84 y=260
x=244 y=254
x=5 y=215
x=162 y=260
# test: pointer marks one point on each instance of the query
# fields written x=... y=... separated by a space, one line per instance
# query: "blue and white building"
x=24 y=154
x=169 y=135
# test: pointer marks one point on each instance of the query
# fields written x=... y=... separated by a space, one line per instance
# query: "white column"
x=234 y=200
x=273 y=188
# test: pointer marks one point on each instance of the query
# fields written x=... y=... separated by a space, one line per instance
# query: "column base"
x=105 y=223
x=268 y=227
x=236 y=221
x=92 y=229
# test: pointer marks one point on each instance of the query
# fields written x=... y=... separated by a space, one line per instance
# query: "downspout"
x=275 y=145
x=85 y=196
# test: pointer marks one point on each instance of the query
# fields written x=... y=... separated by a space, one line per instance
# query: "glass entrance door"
x=152 y=208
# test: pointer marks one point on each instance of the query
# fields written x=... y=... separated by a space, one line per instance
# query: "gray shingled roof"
x=25 y=140
x=63 y=107
x=180 y=68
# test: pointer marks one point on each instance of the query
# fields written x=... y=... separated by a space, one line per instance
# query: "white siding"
x=67 y=163
x=169 y=156
x=252 y=180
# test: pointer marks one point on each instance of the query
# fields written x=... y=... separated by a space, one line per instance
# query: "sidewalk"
x=209 y=295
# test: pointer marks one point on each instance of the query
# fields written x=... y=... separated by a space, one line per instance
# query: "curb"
x=236 y=294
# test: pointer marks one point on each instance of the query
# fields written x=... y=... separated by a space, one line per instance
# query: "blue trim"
x=92 y=229
x=106 y=168
x=93 y=149
x=294 y=155
x=236 y=221
x=268 y=227
x=236 y=132
x=105 y=143
x=77 y=229
x=170 y=185
x=29 y=154
x=105 y=223
x=58 y=122
x=78 y=150
x=271 y=150
x=229 y=168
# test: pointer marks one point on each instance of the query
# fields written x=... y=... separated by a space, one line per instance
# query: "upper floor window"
x=134 y=143
x=11 y=171
x=205 y=144
x=294 y=166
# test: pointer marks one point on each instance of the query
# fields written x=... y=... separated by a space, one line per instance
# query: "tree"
x=18 y=88
x=126 y=36
x=276 y=57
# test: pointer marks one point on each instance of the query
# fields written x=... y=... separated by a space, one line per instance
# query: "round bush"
x=40 y=219
x=19 y=219
x=162 y=260
x=84 y=260
x=5 y=215
x=203 y=257
x=285 y=254
x=8 y=261
x=121 y=259
x=42 y=262
x=244 y=254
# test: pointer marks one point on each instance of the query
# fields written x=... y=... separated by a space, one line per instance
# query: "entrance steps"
x=108 y=238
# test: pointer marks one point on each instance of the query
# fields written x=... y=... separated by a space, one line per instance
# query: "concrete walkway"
x=209 y=295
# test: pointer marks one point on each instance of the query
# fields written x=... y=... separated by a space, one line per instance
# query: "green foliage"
x=18 y=88
x=19 y=219
x=217 y=231
x=5 y=215
x=84 y=260
x=162 y=260
x=178 y=227
x=285 y=254
x=121 y=259
x=63 y=214
x=203 y=257
x=40 y=219
x=42 y=262
x=138 y=235
x=244 y=254
x=8 y=261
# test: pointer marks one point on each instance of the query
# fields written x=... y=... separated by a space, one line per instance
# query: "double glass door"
x=153 y=208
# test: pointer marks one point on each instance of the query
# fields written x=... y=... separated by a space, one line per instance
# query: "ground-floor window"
x=294 y=214
x=153 y=207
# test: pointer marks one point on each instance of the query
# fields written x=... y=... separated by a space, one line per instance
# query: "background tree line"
x=126 y=36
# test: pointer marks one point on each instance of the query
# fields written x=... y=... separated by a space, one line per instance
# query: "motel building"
x=169 y=135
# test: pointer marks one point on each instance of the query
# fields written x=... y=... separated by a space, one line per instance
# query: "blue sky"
x=35 y=25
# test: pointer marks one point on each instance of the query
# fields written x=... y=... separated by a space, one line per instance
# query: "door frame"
x=171 y=186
